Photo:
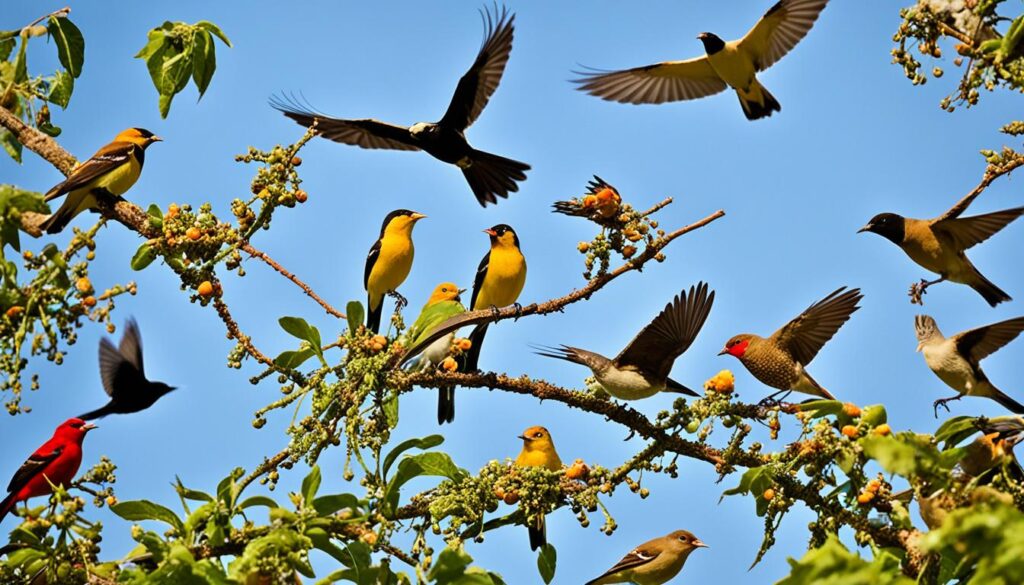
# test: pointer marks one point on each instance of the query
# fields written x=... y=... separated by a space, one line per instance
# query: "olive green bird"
x=443 y=304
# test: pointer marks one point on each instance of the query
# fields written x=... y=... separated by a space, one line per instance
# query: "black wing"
x=31 y=468
x=364 y=133
x=105 y=160
x=658 y=345
x=478 y=282
x=131 y=346
x=371 y=259
x=477 y=85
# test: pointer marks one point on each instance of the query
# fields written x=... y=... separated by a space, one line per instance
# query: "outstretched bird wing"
x=658 y=344
x=641 y=555
x=779 y=30
x=805 y=335
x=671 y=81
x=33 y=466
x=477 y=85
x=981 y=342
x=131 y=346
x=364 y=133
x=968 y=231
x=121 y=369
x=105 y=160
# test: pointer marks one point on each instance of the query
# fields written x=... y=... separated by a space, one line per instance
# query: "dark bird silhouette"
x=641 y=370
x=489 y=176
x=124 y=378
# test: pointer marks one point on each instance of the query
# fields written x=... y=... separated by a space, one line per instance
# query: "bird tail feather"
x=758 y=102
x=373 y=315
x=992 y=293
x=98 y=413
x=538 y=534
x=7 y=505
x=491 y=176
x=445 y=405
x=471 y=358
x=58 y=220
x=1006 y=402
x=673 y=386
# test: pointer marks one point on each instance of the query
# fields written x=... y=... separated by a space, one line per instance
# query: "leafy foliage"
x=176 y=52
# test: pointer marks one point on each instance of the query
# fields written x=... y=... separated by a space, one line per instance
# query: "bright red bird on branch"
x=55 y=463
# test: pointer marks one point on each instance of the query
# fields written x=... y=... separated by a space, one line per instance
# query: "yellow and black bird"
x=489 y=176
x=389 y=262
x=641 y=369
x=110 y=172
x=732 y=64
x=956 y=360
x=779 y=360
x=939 y=245
x=654 y=562
x=499 y=280
x=538 y=451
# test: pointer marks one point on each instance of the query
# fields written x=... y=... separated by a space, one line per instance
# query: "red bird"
x=56 y=462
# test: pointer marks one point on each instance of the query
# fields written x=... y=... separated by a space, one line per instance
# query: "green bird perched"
x=442 y=305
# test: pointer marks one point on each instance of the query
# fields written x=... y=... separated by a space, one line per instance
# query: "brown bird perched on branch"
x=956 y=360
x=489 y=176
x=939 y=244
x=732 y=64
x=641 y=369
x=111 y=172
x=600 y=204
x=654 y=562
x=779 y=360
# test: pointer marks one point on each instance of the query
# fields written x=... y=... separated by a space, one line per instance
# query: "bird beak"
x=462 y=290
x=523 y=437
x=417 y=216
x=490 y=232
x=866 y=228
x=701 y=36
x=724 y=351
x=700 y=544
x=88 y=427
x=155 y=139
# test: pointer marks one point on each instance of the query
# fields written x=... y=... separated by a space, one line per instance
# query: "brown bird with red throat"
x=779 y=360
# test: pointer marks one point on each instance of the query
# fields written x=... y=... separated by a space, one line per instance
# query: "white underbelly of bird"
x=951 y=367
x=626 y=384
x=437 y=351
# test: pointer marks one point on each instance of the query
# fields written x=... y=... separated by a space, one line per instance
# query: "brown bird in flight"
x=779 y=360
x=939 y=244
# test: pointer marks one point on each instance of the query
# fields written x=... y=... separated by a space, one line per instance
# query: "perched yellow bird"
x=444 y=303
x=389 y=262
x=111 y=171
x=499 y=280
x=653 y=562
x=538 y=451
x=725 y=64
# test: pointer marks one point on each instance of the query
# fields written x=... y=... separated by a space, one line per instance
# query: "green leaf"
x=449 y=566
x=156 y=216
x=190 y=494
x=955 y=430
x=205 y=60
x=322 y=541
x=311 y=483
x=61 y=88
x=155 y=40
x=11 y=145
x=327 y=505
x=7 y=43
x=355 y=315
x=391 y=410
x=175 y=73
x=431 y=463
x=70 y=44
x=143 y=257
x=832 y=564
x=257 y=501
x=213 y=28
x=137 y=510
x=546 y=560
x=21 y=62
x=754 y=481
x=293 y=359
x=427 y=442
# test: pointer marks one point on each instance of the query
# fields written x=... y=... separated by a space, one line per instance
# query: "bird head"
x=139 y=136
x=73 y=429
x=926 y=328
x=684 y=542
x=420 y=129
x=160 y=388
x=400 y=220
x=535 y=438
x=712 y=43
x=887 y=225
x=446 y=291
x=737 y=346
x=502 y=235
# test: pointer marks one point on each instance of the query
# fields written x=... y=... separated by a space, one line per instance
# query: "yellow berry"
x=449 y=364
x=83 y=285
x=193 y=233
x=883 y=429
x=873 y=486
x=205 y=289
x=89 y=301
x=463 y=344
x=768 y=494
x=851 y=410
x=850 y=431
x=578 y=470
x=865 y=497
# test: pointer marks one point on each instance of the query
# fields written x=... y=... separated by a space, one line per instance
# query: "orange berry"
x=379 y=340
x=499 y=492
x=883 y=430
x=449 y=364
x=172 y=211
x=865 y=497
x=301 y=196
x=83 y=285
x=850 y=431
x=768 y=494
x=14 y=311
x=578 y=470
x=193 y=233
x=463 y=344
x=851 y=410
x=873 y=486
x=205 y=289
x=511 y=498
x=296 y=161
x=89 y=301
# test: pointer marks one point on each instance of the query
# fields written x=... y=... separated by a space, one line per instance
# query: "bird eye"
x=538 y=435
x=682 y=539
x=444 y=289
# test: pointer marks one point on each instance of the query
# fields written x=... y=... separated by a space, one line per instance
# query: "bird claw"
x=917 y=291
x=400 y=301
x=519 y=311
x=943 y=403
x=495 y=311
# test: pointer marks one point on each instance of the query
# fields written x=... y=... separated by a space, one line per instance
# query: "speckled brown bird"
x=939 y=244
x=779 y=360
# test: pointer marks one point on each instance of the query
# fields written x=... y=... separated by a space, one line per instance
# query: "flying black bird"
x=489 y=176
x=124 y=378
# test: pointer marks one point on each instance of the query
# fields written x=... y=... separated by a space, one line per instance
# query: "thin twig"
x=248 y=248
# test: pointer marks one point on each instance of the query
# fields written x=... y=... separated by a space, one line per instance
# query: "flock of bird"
x=642 y=368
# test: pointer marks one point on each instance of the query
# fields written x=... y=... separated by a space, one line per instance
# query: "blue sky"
x=854 y=138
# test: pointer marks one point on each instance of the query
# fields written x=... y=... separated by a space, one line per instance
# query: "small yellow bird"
x=389 y=262
x=654 y=562
x=538 y=451
x=111 y=171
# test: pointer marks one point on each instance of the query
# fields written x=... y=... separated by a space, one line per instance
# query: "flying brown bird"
x=939 y=244
x=779 y=360
x=732 y=64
